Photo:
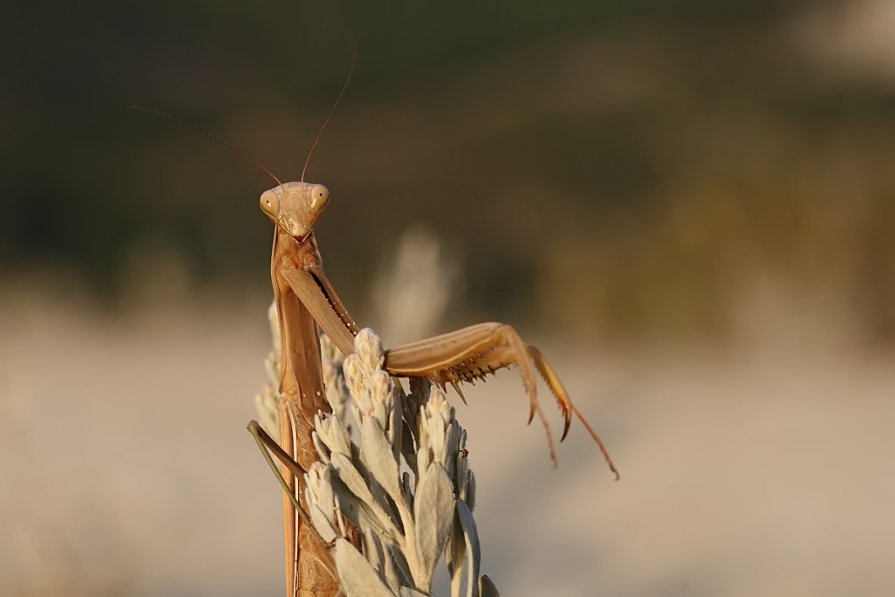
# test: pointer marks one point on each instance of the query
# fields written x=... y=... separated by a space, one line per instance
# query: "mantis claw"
x=459 y=393
x=566 y=425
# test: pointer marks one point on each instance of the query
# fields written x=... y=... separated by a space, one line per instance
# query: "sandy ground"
x=127 y=470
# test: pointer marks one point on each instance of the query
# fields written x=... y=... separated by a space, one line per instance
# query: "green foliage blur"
x=621 y=169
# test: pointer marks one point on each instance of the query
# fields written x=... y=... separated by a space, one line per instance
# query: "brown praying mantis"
x=307 y=304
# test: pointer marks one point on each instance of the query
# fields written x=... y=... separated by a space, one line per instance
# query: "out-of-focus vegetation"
x=634 y=169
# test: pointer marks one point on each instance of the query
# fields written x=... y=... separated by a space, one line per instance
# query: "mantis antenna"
x=243 y=154
x=330 y=115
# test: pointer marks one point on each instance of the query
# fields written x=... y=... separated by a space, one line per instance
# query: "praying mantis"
x=307 y=304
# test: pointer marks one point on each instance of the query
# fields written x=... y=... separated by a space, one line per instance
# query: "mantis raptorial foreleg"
x=475 y=351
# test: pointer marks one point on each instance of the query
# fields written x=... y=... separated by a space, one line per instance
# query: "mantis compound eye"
x=270 y=204
x=319 y=196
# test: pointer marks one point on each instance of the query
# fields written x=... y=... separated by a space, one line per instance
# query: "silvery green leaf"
x=318 y=483
x=473 y=549
x=333 y=434
x=379 y=459
x=456 y=556
x=380 y=390
x=439 y=404
x=487 y=588
x=398 y=388
x=352 y=479
x=368 y=519
x=381 y=386
x=408 y=592
x=405 y=487
x=435 y=419
x=386 y=506
x=395 y=424
x=322 y=452
x=348 y=503
x=452 y=448
x=433 y=512
x=344 y=529
x=437 y=440
x=322 y=524
x=410 y=407
x=393 y=574
x=372 y=549
x=400 y=563
x=461 y=471
x=384 y=560
x=408 y=449
x=357 y=577
x=423 y=454
x=469 y=498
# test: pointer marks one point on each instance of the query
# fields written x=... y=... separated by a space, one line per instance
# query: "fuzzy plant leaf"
x=380 y=459
x=382 y=559
x=487 y=588
x=456 y=556
x=467 y=492
x=432 y=511
x=357 y=576
x=322 y=524
x=350 y=476
x=473 y=548
x=333 y=434
x=321 y=501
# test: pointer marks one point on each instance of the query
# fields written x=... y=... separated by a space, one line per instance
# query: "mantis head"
x=295 y=206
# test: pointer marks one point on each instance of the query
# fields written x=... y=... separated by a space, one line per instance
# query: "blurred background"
x=688 y=205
